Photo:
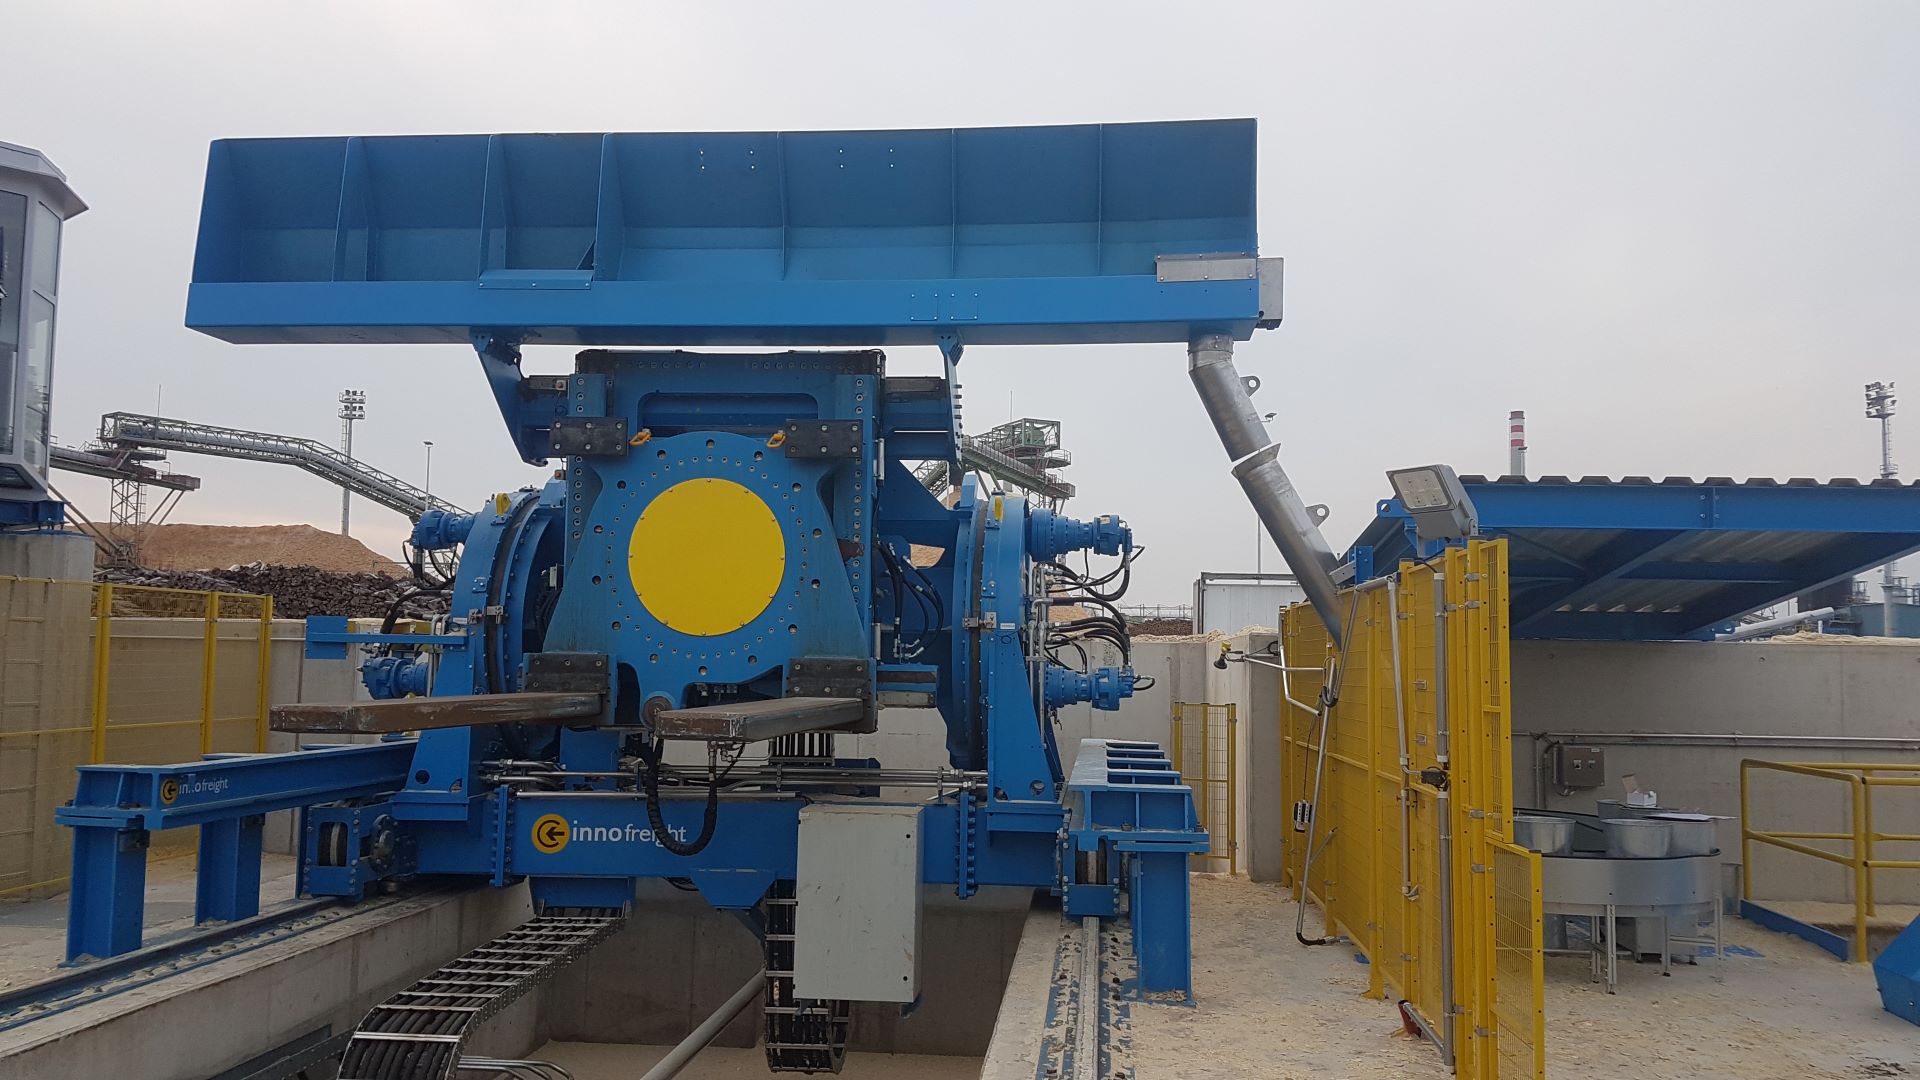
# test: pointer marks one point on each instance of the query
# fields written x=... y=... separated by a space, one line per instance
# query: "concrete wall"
x=917 y=738
x=208 y=1019
x=678 y=959
x=1184 y=672
x=61 y=556
x=1815 y=693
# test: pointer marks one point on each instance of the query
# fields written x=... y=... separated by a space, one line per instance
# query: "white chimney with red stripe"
x=1516 y=443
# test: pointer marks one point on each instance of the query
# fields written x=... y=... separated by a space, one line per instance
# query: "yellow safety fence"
x=115 y=673
x=1855 y=846
x=1206 y=755
x=1409 y=848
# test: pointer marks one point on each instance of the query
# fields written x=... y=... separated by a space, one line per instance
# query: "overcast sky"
x=1680 y=236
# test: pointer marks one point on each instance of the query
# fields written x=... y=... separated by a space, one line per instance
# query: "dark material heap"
x=299 y=591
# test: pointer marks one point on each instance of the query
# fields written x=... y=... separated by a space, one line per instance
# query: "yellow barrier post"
x=1204 y=788
x=209 y=646
x=1866 y=836
x=1862 y=889
x=102 y=649
x=266 y=674
x=1746 y=835
x=1233 y=792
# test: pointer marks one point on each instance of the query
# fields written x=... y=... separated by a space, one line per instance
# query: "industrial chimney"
x=1516 y=443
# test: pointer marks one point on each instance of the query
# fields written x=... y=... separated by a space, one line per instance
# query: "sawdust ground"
x=1269 y=1007
x=216 y=547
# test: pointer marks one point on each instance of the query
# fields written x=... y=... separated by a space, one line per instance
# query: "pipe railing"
x=1861 y=779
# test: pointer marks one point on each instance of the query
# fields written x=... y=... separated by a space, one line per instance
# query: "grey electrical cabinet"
x=858 y=889
x=1579 y=767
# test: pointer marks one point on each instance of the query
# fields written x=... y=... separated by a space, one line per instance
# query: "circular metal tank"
x=1638 y=838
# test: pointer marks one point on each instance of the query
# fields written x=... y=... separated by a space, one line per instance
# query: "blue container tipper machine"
x=722 y=563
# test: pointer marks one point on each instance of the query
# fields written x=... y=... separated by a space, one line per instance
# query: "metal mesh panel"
x=1520 y=1048
x=45 y=730
x=115 y=673
x=1206 y=755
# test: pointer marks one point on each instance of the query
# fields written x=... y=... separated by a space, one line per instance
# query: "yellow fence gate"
x=1206 y=754
x=95 y=673
x=1407 y=847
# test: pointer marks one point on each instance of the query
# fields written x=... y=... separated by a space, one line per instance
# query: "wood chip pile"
x=200 y=547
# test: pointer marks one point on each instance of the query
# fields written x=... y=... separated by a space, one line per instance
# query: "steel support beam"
x=116 y=807
x=1615 y=560
x=754 y=721
x=425 y=713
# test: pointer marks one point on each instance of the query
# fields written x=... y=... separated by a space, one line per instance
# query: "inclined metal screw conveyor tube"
x=659 y=663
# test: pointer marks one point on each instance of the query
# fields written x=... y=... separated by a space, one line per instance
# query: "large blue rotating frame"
x=1070 y=235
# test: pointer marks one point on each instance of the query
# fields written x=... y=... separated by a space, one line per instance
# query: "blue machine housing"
x=1133 y=232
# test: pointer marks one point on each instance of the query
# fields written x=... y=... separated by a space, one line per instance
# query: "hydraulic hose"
x=650 y=755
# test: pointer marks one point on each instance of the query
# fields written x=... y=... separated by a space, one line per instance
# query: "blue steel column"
x=1162 y=920
x=108 y=891
x=228 y=887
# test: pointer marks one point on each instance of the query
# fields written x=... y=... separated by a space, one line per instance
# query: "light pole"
x=1880 y=403
x=426 y=499
x=353 y=406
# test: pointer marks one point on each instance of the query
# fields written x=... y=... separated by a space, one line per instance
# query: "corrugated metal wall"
x=1230 y=603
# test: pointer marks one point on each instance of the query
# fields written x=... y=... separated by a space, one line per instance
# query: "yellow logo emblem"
x=550 y=833
x=169 y=791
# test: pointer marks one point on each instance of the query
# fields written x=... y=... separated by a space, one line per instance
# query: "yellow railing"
x=1409 y=849
x=122 y=673
x=1860 y=780
x=1213 y=772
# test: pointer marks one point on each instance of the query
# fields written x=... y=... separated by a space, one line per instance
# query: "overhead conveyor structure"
x=136 y=430
x=1010 y=454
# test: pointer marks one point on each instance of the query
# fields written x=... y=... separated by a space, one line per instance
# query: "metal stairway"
x=977 y=455
x=128 y=430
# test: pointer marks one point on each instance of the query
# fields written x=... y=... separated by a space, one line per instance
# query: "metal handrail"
x=1860 y=779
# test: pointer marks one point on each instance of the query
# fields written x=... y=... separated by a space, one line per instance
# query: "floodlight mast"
x=1880 y=402
x=353 y=406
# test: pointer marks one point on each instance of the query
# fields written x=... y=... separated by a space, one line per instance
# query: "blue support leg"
x=1162 y=930
x=229 y=881
x=107 y=896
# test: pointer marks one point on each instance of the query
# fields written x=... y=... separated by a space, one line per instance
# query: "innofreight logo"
x=552 y=833
x=171 y=789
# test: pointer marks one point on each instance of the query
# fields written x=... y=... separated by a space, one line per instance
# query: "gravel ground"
x=33 y=933
x=1778 y=1009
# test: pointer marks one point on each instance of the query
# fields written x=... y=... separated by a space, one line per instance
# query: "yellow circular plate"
x=706 y=557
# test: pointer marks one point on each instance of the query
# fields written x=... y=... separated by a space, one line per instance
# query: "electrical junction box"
x=1579 y=766
x=858 y=890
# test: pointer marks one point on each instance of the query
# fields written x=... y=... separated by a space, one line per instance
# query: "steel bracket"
x=589 y=436
x=824 y=439
x=567 y=672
